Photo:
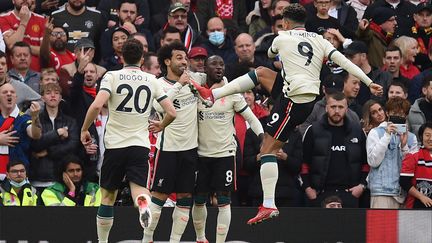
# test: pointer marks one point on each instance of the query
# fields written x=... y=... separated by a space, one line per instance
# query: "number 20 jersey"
x=131 y=98
x=302 y=54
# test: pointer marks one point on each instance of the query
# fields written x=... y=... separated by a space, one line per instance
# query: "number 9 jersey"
x=132 y=92
x=302 y=54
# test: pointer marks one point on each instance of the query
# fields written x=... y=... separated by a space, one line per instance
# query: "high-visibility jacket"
x=56 y=195
x=9 y=197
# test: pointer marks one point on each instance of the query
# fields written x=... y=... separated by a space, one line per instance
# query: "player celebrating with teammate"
x=130 y=94
x=217 y=150
x=176 y=156
x=302 y=54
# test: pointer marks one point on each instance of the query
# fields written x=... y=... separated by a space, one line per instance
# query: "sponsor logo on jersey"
x=212 y=115
x=176 y=104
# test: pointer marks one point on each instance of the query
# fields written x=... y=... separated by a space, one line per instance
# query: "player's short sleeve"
x=107 y=82
x=240 y=104
x=409 y=165
x=159 y=93
x=274 y=48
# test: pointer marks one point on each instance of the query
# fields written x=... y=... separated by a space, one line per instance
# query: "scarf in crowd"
x=416 y=30
x=4 y=150
x=386 y=36
x=90 y=91
x=224 y=9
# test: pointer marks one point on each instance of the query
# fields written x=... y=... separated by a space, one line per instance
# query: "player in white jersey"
x=129 y=93
x=176 y=156
x=302 y=55
x=216 y=150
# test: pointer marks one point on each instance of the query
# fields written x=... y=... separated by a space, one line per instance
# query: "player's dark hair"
x=132 y=51
x=295 y=12
x=422 y=129
x=2 y=54
x=165 y=52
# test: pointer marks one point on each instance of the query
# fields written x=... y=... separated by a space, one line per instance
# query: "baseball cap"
x=382 y=14
x=197 y=51
x=177 y=6
x=423 y=6
x=333 y=82
x=356 y=47
x=121 y=29
x=84 y=43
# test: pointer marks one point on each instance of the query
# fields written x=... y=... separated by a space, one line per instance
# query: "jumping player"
x=302 y=54
x=130 y=94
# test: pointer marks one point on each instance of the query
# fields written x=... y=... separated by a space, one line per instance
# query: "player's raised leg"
x=142 y=197
x=262 y=75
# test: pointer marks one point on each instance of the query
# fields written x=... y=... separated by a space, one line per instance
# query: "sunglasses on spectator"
x=58 y=34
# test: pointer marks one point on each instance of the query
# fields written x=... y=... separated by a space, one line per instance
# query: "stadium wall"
x=75 y=225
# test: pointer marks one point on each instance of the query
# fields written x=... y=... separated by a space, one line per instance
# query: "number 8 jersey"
x=302 y=54
x=131 y=98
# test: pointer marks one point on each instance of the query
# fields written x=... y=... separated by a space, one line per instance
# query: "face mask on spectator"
x=216 y=38
x=19 y=184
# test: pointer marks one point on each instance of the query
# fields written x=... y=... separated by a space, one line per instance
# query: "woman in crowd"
x=409 y=48
x=373 y=115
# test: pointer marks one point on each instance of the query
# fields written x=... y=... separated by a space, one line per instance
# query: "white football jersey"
x=182 y=133
x=131 y=99
x=216 y=126
x=302 y=55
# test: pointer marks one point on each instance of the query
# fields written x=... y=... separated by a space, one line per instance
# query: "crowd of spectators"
x=363 y=150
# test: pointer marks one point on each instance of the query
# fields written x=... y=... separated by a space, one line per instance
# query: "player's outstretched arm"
x=170 y=115
x=346 y=64
x=92 y=113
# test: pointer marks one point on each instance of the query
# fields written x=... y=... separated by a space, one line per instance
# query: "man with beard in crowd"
x=80 y=22
x=53 y=52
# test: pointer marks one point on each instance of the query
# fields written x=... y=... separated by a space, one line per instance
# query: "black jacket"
x=79 y=102
x=317 y=144
x=46 y=168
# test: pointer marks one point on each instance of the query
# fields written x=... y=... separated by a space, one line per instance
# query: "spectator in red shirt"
x=21 y=24
x=53 y=52
x=416 y=172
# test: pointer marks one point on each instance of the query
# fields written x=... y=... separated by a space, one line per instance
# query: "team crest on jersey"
x=35 y=28
x=89 y=24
